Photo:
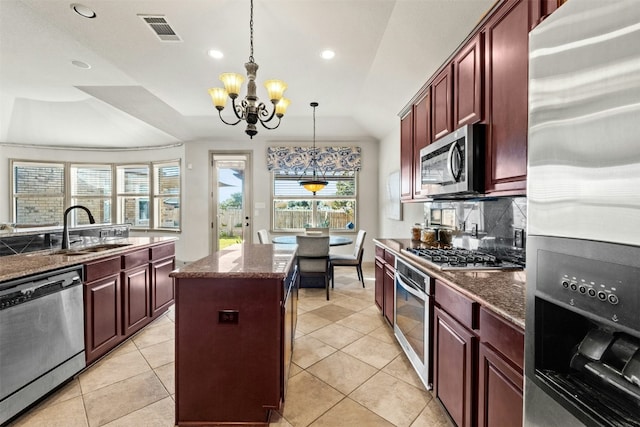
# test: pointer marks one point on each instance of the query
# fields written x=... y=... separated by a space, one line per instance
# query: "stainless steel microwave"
x=452 y=166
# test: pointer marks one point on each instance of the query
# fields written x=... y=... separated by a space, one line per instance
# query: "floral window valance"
x=294 y=160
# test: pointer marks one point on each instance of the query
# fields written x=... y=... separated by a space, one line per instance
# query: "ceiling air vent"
x=161 y=28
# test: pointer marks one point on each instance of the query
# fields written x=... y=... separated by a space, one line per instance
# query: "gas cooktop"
x=451 y=258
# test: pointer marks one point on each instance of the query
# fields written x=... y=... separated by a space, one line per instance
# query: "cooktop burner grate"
x=457 y=258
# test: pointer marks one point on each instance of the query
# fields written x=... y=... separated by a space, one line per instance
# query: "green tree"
x=233 y=202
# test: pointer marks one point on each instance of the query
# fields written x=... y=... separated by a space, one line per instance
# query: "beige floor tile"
x=160 y=321
x=276 y=420
x=342 y=372
x=309 y=350
x=309 y=322
x=69 y=413
x=372 y=351
x=350 y=413
x=158 y=414
x=112 y=370
x=392 y=399
x=117 y=400
x=332 y=312
x=68 y=391
x=160 y=354
x=432 y=416
x=155 y=335
x=362 y=321
x=336 y=336
x=294 y=370
x=307 y=399
x=384 y=333
x=355 y=303
x=402 y=369
x=167 y=374
x=126 y=347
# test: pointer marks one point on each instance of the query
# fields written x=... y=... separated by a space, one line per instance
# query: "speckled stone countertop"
x=15 y=266
x=503 y=292
x=252 y=261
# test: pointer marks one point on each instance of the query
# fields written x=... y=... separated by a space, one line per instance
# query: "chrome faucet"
x=65 y=229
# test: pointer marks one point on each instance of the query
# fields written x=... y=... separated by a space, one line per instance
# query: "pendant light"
x=314 y=184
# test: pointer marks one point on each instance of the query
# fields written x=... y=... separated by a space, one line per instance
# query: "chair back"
x=263 y=236
x=317 y=231
x=313 y=252
x=358 y=248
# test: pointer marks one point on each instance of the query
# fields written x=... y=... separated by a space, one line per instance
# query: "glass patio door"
x=231 y=220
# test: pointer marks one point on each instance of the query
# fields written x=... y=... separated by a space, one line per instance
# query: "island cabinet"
x=123 y=293
x=235 y=324
x=385 y=270
x=506 y=36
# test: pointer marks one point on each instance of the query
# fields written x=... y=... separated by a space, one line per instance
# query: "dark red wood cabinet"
x=467 y=82
x=379 y=286
x=421 y=136
x=406 y=156
x=506 y=36
x=442 y=104
x=118 y=295
x=385 y=282
x=162 y=262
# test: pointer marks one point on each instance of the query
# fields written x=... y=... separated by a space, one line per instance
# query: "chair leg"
x=326 y=286
x=333 y=281
x=360 y=275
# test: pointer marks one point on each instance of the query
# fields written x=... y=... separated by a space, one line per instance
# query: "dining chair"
x=353 y=260
x=316 y=231
x=263 y=236
x=313 y=258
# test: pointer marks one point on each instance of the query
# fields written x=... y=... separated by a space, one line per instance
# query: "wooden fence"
x=231 y=220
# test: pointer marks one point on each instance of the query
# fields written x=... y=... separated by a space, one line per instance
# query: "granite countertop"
x=503 y=292
x=252 y=261
x=16 y=266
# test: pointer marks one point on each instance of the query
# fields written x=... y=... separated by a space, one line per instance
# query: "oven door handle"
x=418 y=293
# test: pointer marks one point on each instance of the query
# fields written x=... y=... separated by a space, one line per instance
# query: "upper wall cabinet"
x=406 y=156
x=467 y=83
x=421 y=136
x=442 y=104
x=506 y=59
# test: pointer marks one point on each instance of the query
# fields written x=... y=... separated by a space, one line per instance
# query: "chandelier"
x=249 y=110
x=314 y=184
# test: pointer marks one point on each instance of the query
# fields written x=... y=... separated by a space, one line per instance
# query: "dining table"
x=333 y=240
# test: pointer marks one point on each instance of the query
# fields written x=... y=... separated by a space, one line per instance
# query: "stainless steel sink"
x=90 y=249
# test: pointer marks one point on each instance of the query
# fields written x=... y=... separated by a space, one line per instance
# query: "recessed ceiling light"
x=81 y=64
x=328 y=54
x=216 y=54
x=83 y=10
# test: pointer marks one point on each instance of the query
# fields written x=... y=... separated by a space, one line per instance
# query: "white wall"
x=195 y=235
x=411 y=212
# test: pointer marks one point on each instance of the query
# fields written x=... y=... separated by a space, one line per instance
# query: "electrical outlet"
x=518 y=238
x=228 y=316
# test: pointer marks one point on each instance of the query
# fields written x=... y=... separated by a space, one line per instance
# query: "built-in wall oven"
x=413 y=314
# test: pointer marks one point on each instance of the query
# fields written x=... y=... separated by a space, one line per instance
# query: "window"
x=295 y=208
x=147 y=194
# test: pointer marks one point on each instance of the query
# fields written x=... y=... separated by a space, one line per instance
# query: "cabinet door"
x=135 y=299
x=389 y=292
x=506 y=60
x=467 y=83
x=102 y=316
x=499 y=390
x=421 y=137
x=406 y=156
x=455 y=350
x=379 y=292
x=162 y=290
x=441 y=104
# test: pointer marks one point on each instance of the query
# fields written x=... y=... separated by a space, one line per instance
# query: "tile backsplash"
x=487 y=223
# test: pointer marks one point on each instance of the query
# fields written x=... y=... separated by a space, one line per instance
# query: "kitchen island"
x=235 y=324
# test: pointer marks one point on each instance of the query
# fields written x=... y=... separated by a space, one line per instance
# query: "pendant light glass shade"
x=313 y=186
x=232 y=83
x=275 y=89
x=281 y=106
x=219 y=97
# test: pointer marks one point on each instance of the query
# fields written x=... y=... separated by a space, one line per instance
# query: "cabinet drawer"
x=390 y=259
x=463 y=309
x=134 y=259
x=508 y=339
x=161 y=251
x=104 y=267
x=379 y=252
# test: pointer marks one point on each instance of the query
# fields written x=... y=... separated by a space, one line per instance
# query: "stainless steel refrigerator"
x=582 y=338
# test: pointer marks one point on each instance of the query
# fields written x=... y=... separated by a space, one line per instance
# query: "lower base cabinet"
x=124 y=293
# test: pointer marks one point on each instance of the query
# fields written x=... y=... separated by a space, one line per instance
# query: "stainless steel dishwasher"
x=41 y=336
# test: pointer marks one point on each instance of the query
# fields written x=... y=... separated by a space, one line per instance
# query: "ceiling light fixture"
x=328 y=54
x=216 y=54
x=81 y=64
x=248 y=110
x=83 y=10
x=314 y=184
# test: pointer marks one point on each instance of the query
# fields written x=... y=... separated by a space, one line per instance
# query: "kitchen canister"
x=415 y=231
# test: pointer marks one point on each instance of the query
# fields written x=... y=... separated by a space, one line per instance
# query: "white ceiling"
x=141 y=91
